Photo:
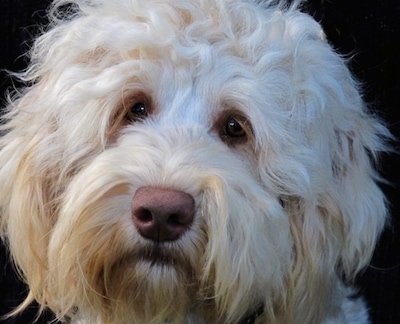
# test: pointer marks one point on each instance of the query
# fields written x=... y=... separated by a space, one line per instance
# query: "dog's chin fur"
x=287 y=209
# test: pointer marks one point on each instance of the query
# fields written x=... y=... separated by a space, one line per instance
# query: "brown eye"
x=234 y=129
x=137 y=112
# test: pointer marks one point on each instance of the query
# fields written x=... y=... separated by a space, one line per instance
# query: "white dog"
x=190 y=161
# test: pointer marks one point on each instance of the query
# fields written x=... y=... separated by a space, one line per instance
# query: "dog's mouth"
x=157 y=255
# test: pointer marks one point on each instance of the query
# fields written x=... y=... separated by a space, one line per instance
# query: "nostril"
x=174 y=219
x=181 y=219
x=143 y=215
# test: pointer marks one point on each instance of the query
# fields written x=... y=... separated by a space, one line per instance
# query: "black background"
x=369 y=30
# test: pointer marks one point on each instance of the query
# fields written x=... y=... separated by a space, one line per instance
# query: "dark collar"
x=251 y=319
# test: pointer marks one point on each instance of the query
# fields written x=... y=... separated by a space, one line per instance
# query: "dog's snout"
x=162 y=214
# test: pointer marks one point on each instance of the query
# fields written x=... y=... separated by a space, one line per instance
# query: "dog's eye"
x=234 y=129
x=137 y=112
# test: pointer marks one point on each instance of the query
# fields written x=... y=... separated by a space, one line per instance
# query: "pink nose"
x=162 y=214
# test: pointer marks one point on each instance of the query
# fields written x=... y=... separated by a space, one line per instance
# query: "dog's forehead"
x=210 y=38
x=188 y=56
x=190 y=89
x=205 y=54
x=191 y=86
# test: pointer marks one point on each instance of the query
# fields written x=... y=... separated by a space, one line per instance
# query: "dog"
x=190 y=161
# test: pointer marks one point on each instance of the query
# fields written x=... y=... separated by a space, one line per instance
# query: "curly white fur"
x=286 y=215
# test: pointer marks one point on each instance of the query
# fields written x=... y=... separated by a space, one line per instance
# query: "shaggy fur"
x=242 y=106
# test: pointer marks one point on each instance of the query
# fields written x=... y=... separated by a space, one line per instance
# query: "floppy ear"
x=35 y=169
x=344 y=205
x=362 y=203
x=27 y=203
x=321 y=164
x=340 y=225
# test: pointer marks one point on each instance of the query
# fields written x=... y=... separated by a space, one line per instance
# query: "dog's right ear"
x=27 y=198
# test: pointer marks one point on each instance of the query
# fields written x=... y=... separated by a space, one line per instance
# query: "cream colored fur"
x=286 y=215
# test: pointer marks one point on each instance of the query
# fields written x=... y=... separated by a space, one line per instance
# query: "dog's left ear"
x=323 y=158
x=354 y=195
x=347 y=140
x=321 y=164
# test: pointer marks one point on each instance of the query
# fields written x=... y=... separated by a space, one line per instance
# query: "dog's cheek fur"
x=252 y=235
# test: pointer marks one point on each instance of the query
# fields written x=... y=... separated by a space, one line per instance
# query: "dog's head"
x=188 y=159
